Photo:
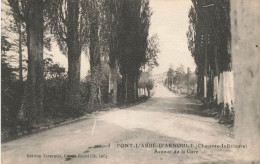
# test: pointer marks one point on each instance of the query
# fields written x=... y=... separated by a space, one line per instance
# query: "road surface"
x=165 y=129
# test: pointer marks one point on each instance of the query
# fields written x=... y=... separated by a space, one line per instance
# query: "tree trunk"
x=134 y=89
x=205 y=71
x=115 y=90
x=73 y=104
x=114 y=72
x=73 y=94
x=32 y=104
x=199 y=86
x=210 y=88
x=94 y=86
x=95 y=57
x=126 y=87
x=228 y=93
x=99 y=95
x=204 y=86
x=220 y=89
x=215 y=92
x=227 y=84
x=20 y=52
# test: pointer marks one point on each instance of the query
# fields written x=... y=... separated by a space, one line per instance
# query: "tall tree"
x=69 y=26
x=95 y=52
x=210 y=29
x=113 y=13
x=152 y=52
x=18 y=27
x=195 y=42
x=226 y=83
x=133 y=41
x=32 y=105
x=170 y=76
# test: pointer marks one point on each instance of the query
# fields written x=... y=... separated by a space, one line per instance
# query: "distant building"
x=160 y=78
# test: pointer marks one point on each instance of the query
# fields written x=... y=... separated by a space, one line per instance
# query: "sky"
x=170 y=22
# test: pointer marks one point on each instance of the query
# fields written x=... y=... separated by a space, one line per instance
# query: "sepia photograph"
x=130 y=81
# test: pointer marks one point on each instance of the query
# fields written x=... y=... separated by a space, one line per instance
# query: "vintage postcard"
x=130 y=81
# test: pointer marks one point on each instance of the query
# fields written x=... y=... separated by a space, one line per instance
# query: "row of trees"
x=177 y=78
x=108 y=31
x=145 y=84
x=209 y=41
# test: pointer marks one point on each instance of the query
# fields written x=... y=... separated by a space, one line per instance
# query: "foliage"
x=209 y=41
x=52 y=70
x=170 y=76
x=54 y=97
x=11 y=92
x=134 y=24
x=146 y=82
x=176 y=77
x=149 y=85
x=5 y=45
x=152 y=52
x=209 y=31
x=115 y=36
x=69 y=23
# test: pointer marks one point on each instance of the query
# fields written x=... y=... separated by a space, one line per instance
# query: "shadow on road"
x=181 y=105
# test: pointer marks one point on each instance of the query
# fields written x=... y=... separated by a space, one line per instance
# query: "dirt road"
x=165 y=129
